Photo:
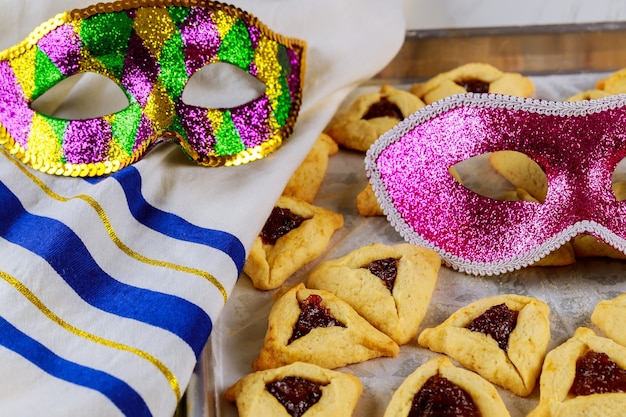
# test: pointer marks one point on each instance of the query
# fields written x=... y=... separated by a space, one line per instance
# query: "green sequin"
x=236 y=47
x=107 y=36
x=228 y=140
x=179 y=14
x=58 y=126
x=173 y=68
x=126 y=125
x=177 y=127
x=47 y=75
x=283 y=102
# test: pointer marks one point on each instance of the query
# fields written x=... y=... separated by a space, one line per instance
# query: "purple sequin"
x=62 y=45
x=145 y=132
x=578 y=153
x=293 y=79
x=255 y=35
x=201 y=40
x=197 y=125
x=141 y=70
x=16 y=119
x=253 y=70
x=87 y=141
x=251 y=121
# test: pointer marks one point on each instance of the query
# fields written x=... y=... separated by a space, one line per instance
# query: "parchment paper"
x=571 y=292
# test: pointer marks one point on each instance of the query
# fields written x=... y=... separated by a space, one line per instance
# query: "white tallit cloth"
x=109 y=288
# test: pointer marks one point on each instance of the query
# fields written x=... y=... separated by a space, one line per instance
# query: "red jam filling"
x=296 y=394
x=596 y=373
x=383 y=108
x=313 y=314
x=442 y=398
x=385 y=269
x=280 y=222
x=474 y=86
x=497 y=322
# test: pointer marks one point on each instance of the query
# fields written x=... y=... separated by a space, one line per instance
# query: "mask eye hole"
x=220 y=86
x=503 y=175
x=619 y=181
x=82 y=96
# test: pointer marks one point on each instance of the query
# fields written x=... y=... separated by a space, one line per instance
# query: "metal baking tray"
x=531 y=50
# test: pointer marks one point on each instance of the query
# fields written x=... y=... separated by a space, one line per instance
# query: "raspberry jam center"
x=313 y=314
x=474 y=86
x=497 y=322
x=383 y=108
x=385 y=269
x=442 y=398
x=280 y=222
x=296 y=394
x=596 y=373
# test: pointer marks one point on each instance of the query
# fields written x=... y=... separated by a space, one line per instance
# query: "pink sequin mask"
x=150 y=49
x=578 y=145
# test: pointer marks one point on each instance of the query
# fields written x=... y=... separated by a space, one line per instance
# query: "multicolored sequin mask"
x=151 y=51
x=578 y=145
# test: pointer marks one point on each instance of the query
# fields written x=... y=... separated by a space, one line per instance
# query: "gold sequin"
x=216 y=118
x=43 y=140
x=160 y=108
x=89 y=63
x=224 y=22
x=24 y=68
x=154 y=26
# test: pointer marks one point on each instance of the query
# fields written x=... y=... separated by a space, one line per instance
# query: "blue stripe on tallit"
x=174 y=226
x=70 y=258
x=117 y=391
